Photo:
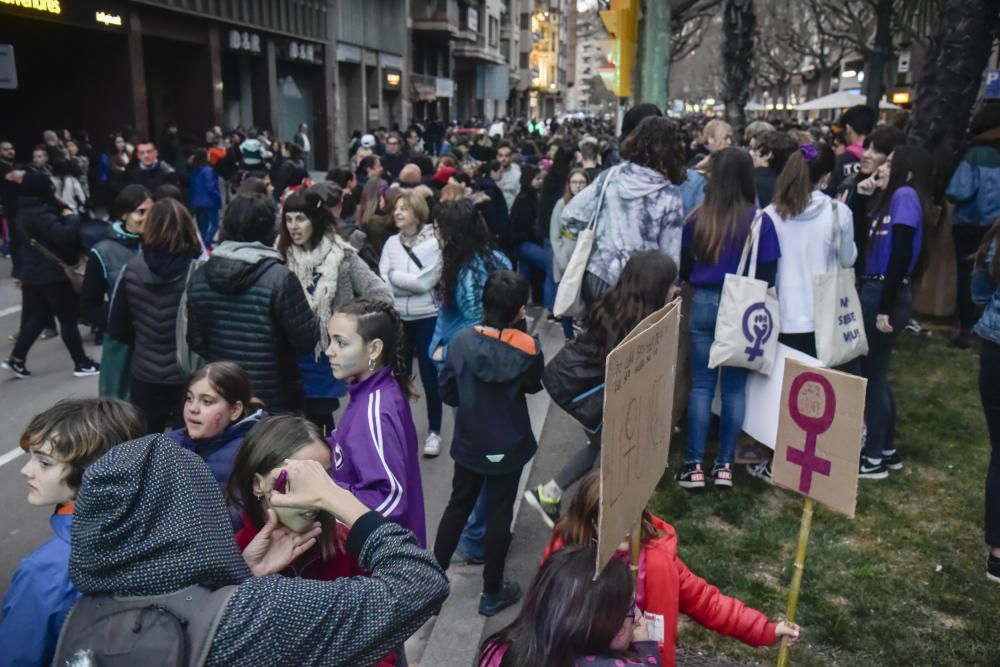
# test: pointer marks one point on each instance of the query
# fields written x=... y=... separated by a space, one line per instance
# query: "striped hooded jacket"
x=376 y=455
x=150 y=520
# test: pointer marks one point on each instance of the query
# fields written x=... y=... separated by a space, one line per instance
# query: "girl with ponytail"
x=375 y=448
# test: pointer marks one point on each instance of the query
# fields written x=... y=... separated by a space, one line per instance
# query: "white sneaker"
x=432 y=445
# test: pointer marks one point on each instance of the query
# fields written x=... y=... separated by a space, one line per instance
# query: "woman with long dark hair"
x=713 y=240
x=468 y=255
x=569 y=618
x=527 y=236
x=578 y=370
x=895 y=245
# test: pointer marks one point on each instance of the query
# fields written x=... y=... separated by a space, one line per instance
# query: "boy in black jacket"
x=486 y=375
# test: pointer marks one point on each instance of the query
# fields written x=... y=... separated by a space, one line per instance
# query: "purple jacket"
x=376 y=455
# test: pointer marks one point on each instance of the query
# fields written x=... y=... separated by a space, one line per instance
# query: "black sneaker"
x=493 y=604
x=547 y=507
x=993 y=568
x=89 y=367
x=722 y=475
x=869 y=469
x=891 y=460
x=761 y=470
x=16 y=367
x=691 y=476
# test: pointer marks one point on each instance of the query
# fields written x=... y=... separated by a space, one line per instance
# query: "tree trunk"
x=654 y=49
x=950 y=81
x=880 y=54
x=739 y=24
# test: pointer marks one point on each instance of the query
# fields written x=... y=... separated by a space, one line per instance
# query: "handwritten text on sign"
x=819 y=435
x=638 y=401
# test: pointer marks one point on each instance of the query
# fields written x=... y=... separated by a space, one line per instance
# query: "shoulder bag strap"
x=750 y=247
x=836 y=235
x=600 y=197
x=47 y=253
x=413 y=255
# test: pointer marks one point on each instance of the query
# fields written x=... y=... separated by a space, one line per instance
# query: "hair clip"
x=808 y=151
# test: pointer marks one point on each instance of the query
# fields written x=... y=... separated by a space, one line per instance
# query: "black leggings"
x=989 y=392
x=40 y=304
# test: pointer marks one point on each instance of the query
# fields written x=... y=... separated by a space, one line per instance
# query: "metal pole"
x=800 y=566
x=654 y=68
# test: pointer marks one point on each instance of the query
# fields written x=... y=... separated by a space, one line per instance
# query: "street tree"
x=739 y=23
x=950 y=81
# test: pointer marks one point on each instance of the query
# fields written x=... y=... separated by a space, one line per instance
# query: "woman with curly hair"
x=578 y=370
x=637 y=203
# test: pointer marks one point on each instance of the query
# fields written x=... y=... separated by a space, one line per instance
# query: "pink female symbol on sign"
x=813 y=426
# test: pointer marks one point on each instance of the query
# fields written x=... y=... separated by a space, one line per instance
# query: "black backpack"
x=170 y=630
x=574 y=380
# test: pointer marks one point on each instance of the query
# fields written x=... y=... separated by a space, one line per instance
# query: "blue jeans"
x=880 y=404
x=551 y=287
x=472 y=544
x=704 y=310
x=418 y=334
x=531 y=260
x=208 y=223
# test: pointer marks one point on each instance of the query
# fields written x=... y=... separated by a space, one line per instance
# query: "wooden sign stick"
x=635 y=543
x=800 y=566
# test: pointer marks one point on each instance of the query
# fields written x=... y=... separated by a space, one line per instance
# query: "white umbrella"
x=753 y=105
x=841 y=100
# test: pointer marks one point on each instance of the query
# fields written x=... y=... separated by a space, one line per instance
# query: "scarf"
x=317 y=270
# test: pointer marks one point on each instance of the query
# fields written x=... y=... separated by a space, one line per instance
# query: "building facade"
x=588 y=56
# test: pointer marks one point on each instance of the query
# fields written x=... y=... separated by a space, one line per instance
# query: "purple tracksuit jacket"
x=376 y=455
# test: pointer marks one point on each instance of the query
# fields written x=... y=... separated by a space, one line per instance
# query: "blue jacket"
x=39 y=597
x=975 y=187
x=466 y=309
x=205 y=189
x=692 y=191
x=219 y=452
x=986 y=292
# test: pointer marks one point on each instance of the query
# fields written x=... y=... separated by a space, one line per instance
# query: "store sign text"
x=244 y=41
x=113 y=20
x=47 y=6
x=298 y=51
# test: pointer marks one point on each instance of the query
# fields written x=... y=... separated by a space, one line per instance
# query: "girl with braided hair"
x=375 y=448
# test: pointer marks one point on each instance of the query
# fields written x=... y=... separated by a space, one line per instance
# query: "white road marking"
x=10 y=456
x=4 y=312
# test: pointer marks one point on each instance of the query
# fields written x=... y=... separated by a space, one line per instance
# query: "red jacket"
x=309 y=565
x=667 y=587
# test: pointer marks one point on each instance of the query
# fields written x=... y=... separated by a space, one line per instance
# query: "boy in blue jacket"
x=487 y=373
x=61 y=442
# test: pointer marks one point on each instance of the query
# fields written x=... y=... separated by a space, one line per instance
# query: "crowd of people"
x=239 y=301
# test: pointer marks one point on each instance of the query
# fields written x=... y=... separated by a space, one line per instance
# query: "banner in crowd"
x=819 y=435
x=638 y=402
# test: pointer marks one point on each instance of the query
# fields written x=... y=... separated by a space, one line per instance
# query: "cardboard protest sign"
x=819 y=435
x=638 y=401
x=763 y=395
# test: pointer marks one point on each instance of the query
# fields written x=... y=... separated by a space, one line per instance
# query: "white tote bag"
x=746 y=329
x=568 y=300
x=840 y=329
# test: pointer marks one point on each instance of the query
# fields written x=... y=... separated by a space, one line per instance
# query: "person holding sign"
x=583 y=621
x=575 y=376
x=895 y=244
x=713 y=240
x=665 y=586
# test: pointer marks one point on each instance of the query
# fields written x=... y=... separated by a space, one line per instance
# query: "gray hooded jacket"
x=150 y=520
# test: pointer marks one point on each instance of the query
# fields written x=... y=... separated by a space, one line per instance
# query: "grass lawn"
x=903 y=583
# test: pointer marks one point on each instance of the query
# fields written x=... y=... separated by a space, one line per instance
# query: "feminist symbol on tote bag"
x=813 y=426
x=758 y=325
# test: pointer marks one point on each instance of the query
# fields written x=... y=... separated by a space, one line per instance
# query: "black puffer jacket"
x=39 y=217
x=575 y=381
x=144 y=310
x=245 y=306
